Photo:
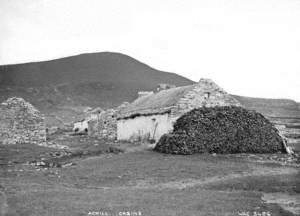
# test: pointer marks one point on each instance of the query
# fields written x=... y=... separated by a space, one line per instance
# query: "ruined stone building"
x=21 y=123
x=152 y=115
x=105 y=126
x=81 y=127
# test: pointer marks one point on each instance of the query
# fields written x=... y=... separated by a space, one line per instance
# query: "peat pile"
x=228 y=129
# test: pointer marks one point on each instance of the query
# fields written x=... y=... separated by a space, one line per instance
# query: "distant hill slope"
x=271 y=107
x=105 y=67
x=64 y=87
x=99 y=79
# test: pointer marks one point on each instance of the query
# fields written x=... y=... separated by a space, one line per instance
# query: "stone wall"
x=105 y=126
x=21 y=123
x=205 y=93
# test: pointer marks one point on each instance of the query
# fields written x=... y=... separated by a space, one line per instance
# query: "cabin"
x=105 y=126
x=152 y=115
x=81 y=127
x=21 y=123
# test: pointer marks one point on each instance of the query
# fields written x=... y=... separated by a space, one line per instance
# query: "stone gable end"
x=205 y=93
x=21 y=123
x=104 y=126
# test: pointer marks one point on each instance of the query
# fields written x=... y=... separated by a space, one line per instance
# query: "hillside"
x=271 y=107
x=99 y=79
x=106 y=67
x=62 y=88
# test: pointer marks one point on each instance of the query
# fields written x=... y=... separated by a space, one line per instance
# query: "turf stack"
x=227 y=129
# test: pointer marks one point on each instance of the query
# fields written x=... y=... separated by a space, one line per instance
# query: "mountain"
x=63 y=88
x=100 y=79
x=106 y=67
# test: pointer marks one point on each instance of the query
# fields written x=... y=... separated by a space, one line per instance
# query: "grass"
x=118 y=177
x=16 y=154
x=78 y=147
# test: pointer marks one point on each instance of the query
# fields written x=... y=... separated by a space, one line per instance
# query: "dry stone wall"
x=21 y=123
x=105 y=126
x=205 y=93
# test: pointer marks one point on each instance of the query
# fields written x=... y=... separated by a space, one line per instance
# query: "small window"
x=206 y=95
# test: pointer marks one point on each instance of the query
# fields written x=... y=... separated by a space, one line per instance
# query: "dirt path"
x=188 y=183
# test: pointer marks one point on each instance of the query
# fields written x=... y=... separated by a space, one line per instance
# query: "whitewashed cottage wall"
x=144 y=127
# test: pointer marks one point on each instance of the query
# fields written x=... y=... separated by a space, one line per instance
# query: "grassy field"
x=102 y=180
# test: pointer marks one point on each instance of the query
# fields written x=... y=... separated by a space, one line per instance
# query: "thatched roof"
x=157 y=103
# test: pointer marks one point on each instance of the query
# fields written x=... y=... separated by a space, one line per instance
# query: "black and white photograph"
x=149 y=107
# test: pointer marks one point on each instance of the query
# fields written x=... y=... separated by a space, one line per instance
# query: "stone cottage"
x=21 y=123
x=81 y=127
x=151 y=116
x=105 y=126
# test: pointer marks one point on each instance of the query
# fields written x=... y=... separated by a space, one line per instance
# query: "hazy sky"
x=249 y=47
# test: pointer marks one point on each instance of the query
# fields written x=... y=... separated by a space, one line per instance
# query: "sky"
x=248 y=47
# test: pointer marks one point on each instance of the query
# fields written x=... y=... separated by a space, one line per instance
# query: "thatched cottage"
x=21 y=123
x=152 y=115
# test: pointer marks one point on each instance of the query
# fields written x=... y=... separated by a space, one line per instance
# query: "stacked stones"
x=105 y=126
x=21 y=123
x=205 y=94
